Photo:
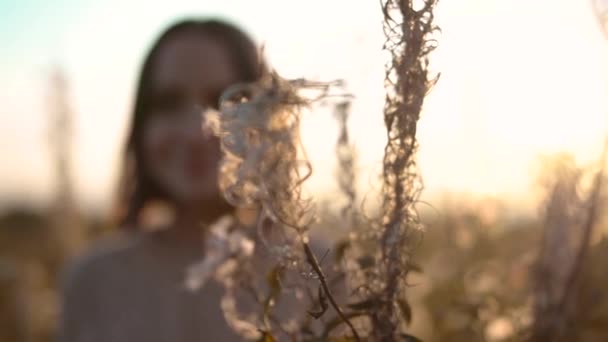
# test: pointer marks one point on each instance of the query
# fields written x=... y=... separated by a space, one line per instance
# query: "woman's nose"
x=188 y=125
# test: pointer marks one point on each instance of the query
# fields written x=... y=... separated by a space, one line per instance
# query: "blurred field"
x=477 y=258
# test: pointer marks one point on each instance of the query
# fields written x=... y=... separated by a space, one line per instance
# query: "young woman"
x=133 y=290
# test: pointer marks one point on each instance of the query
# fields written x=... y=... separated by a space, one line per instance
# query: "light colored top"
x=132 y=289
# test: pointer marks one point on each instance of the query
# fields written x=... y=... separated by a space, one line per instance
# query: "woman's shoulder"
x=101 y=258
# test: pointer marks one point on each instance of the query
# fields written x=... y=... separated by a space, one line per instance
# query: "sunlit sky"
x=519 y=79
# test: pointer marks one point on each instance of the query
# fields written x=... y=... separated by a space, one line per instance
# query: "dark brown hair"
x=137 y=188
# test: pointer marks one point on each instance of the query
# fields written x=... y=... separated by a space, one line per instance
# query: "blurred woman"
x=133 y=290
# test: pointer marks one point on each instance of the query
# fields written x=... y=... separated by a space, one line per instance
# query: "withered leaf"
x=366 y=261
x=367 y=304
x=406 y=310
x=267 y=337
x=341 y=248
x=409 y=338
x=322 y=303
x=337 y=321
x=414 y=267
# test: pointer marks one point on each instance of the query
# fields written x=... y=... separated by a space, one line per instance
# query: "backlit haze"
x=519 y=79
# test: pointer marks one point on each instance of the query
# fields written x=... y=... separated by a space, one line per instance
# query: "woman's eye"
x=211 y=99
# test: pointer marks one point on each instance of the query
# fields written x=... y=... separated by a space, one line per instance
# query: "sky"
x=519 y=79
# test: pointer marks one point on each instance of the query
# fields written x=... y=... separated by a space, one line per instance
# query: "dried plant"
x=346 y=156
x=569 y=223
x=66 y=226
x=600 y=7
x=265 y=165
x=409 y=42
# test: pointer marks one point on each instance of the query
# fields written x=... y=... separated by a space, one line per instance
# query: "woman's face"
x=190 y=72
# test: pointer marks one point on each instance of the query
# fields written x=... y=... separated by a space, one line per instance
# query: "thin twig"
x=588 y=229
x=312 y=260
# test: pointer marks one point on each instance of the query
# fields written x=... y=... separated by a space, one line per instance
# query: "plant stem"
x=312 y=261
